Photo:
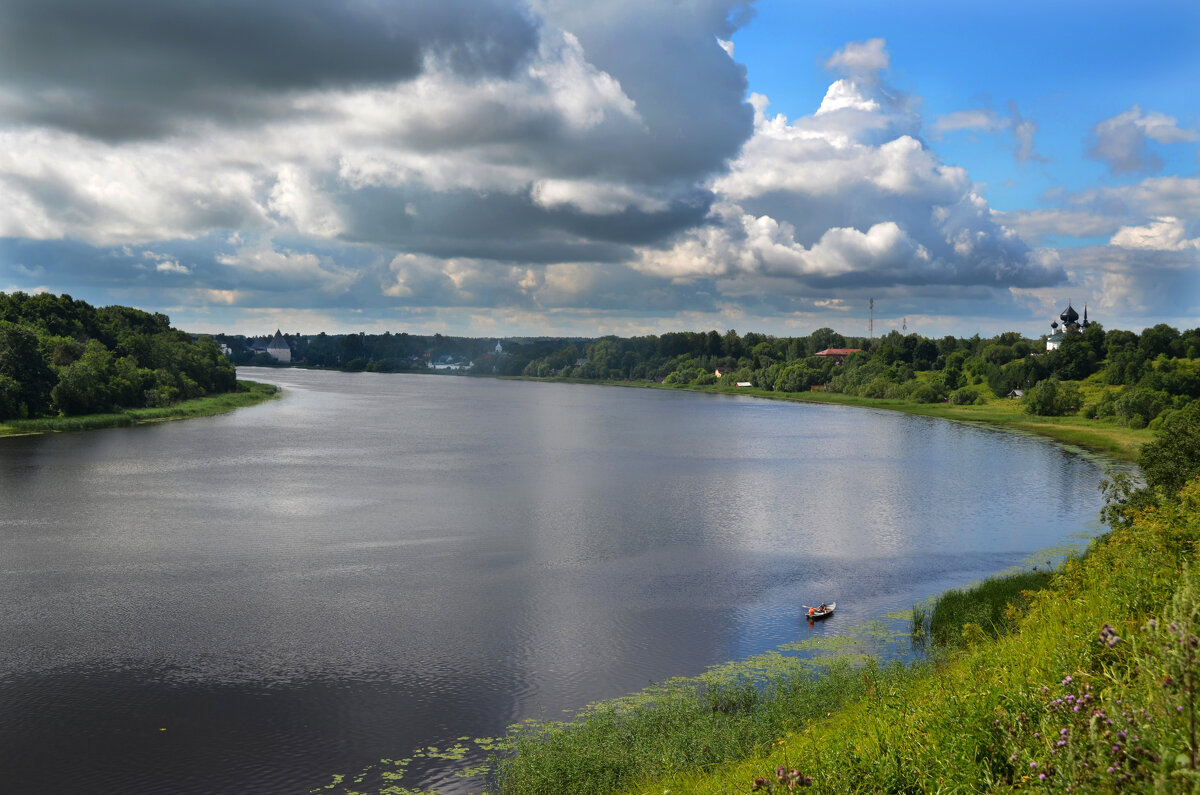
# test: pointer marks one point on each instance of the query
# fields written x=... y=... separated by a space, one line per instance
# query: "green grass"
x=249 y=393
x=993 y=606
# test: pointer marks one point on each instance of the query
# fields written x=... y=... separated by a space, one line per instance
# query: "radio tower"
x=871 y=322
x=904 y=326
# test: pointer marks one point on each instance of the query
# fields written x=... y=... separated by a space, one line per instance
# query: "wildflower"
x=1109 y=636
x=1042 y=776
x=1067 y=681
x=1033 y=764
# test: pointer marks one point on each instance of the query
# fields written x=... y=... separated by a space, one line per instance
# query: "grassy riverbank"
x=1087 y=685
x=249 y=393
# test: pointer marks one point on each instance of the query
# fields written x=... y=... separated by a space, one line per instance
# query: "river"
x=376 y=563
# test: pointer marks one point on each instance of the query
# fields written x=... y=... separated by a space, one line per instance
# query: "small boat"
x=816 y=612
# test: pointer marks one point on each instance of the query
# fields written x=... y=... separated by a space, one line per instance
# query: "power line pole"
x=871 y=322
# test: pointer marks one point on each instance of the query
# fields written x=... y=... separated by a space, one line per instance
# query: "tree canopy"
x=63 y=356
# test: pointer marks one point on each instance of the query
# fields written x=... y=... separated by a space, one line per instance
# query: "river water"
x=378 y=563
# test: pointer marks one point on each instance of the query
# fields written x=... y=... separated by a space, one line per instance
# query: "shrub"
x=925 y=394
x=967 y=396
x=1052 y=398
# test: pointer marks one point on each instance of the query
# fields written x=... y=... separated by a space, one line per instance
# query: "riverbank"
x=1090 y=686
x=249 y=393
x=1114 y=441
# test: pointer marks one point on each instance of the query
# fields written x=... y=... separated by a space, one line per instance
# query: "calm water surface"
x=378 y=563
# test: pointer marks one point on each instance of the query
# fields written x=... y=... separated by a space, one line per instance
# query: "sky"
x=497 y=168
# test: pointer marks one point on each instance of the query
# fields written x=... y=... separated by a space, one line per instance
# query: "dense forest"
x=66 y=357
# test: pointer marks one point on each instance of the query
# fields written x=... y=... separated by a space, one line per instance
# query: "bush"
x=925 y=394
x=1052 y=398
x=1173 y=458
x=1140 y=405
x=967 y=396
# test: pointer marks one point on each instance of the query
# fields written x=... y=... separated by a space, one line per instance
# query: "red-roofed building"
x=838 y=354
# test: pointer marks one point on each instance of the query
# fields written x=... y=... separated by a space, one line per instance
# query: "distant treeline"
x=1157 y=368
x=62 y=356
x=395 y=353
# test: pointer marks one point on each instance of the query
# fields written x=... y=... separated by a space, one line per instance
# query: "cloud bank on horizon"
x=496 y=167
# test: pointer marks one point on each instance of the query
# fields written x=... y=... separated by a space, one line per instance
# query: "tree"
x=21 y=361
x=1158 y=340
x=1052 y=398
x=83 y=386
x=824 y=338
x=1172 y=459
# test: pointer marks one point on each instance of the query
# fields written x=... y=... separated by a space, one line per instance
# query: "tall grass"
x=919 y=633
x=994 y=606
x=726 y=714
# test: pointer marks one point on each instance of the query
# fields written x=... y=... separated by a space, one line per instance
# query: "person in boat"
x=822 y=608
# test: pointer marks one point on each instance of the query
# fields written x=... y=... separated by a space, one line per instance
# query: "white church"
x=1070 y=325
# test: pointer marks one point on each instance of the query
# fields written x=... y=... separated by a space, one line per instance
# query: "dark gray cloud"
x=133 y=68
x=509 y=227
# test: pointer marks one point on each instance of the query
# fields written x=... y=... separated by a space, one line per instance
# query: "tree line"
x=1158 y=369
x=62 y=356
